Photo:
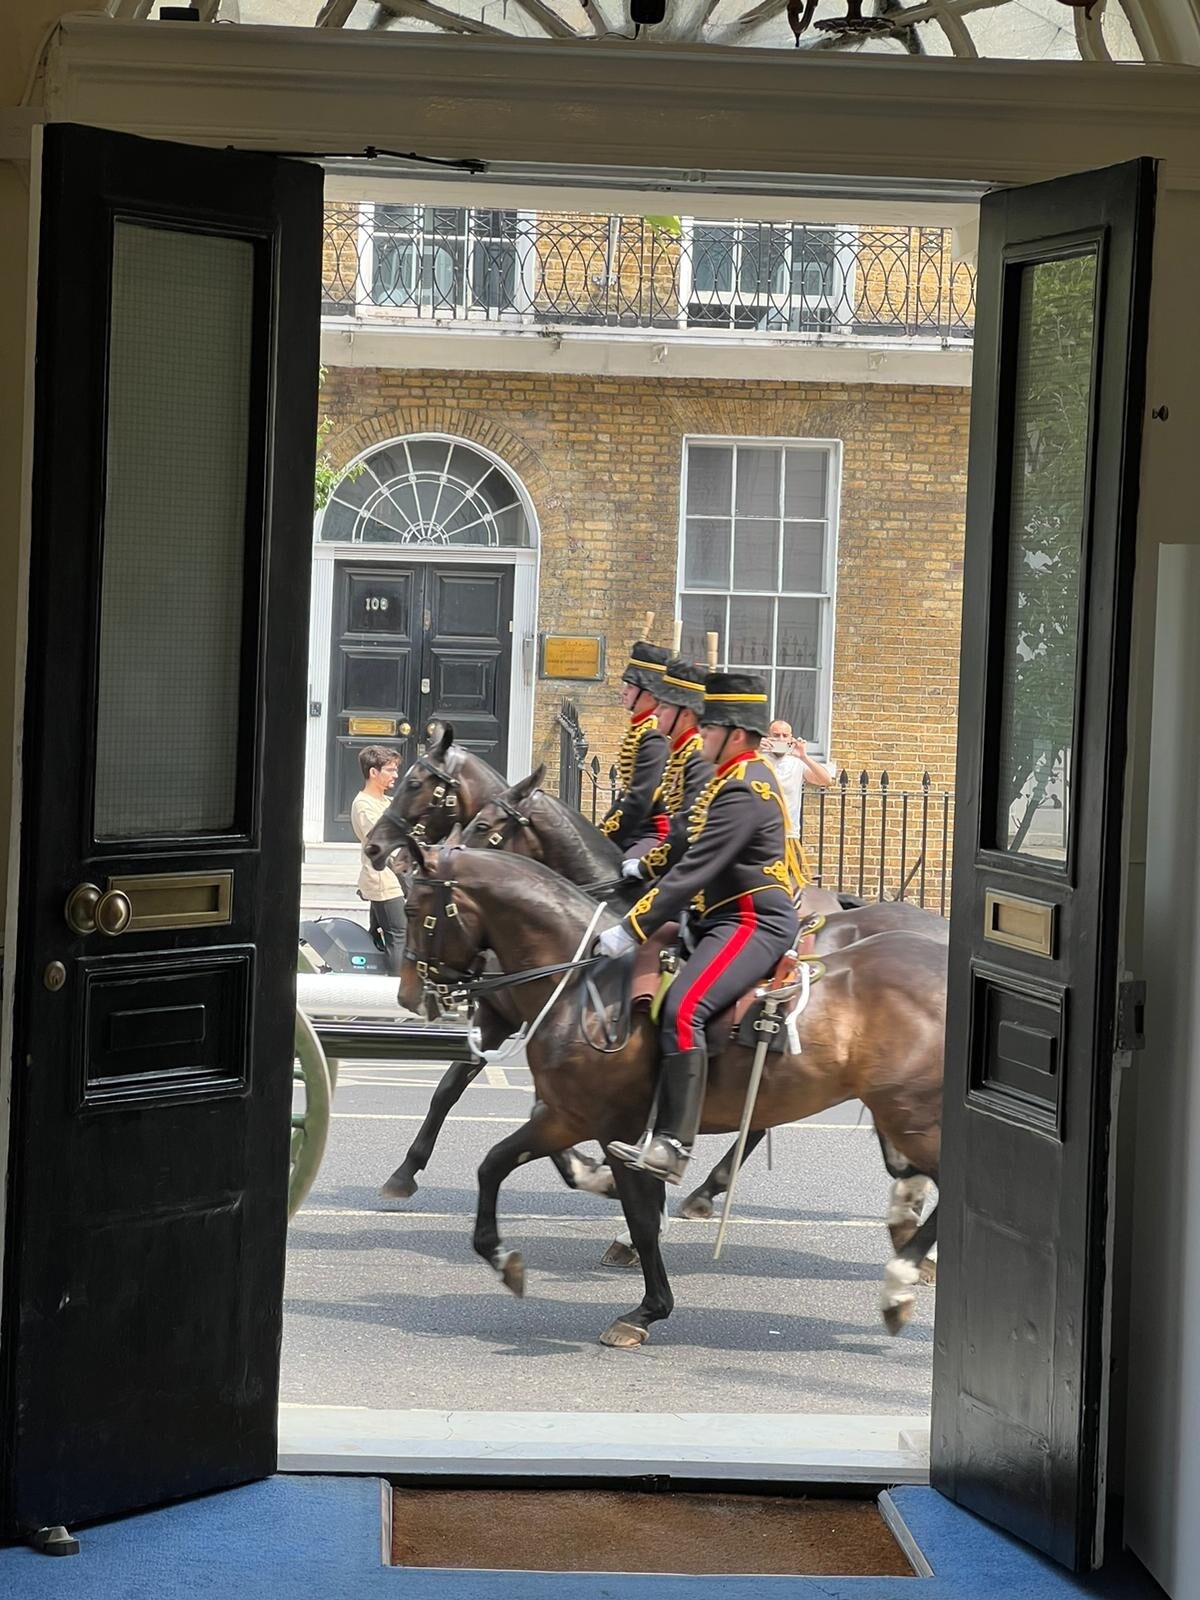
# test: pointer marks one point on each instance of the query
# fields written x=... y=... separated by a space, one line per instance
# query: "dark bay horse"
x=873 y=1031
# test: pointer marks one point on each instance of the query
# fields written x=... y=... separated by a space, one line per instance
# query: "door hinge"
x=1131 y=1014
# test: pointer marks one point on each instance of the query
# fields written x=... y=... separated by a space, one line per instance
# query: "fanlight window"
x=427 y=491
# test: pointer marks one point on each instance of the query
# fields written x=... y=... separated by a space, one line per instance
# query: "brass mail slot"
x=1019 y=923
x=380 y=727
x=177 y=899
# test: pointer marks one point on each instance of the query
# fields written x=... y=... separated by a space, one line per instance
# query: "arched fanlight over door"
x=428 y=491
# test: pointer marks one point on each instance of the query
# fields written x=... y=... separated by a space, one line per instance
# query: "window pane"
x=702 y=615
x=799 y=642
x=763 y=269
x=756 y=556
x=757 y=482
x=804 y=483
x=706 y=555
x=750 y=632
x=1053 y=385
x=804 y=556
x=796 y=702
x=709 y=481
x=174 y=534
x=712 y=258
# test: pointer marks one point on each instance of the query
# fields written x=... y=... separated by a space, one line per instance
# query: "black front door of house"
x=162 y=760
x=1060 y=345
x=413 y=645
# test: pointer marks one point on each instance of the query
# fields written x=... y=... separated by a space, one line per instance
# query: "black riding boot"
x=680 y=1102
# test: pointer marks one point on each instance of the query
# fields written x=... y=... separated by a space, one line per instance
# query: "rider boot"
x=680 y=1102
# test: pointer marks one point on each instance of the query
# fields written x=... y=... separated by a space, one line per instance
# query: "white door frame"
x=525 y=562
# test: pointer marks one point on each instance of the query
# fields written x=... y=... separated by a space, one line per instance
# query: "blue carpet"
x=302 y=1538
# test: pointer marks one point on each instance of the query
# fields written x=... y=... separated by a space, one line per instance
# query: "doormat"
x=599 y=1530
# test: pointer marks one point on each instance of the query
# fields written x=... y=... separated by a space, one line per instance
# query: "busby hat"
x=683 y=685
x=647 y=664
x=736 y=700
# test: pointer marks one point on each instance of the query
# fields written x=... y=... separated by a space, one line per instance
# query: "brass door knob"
x=93 y=910
x=405 y=729
x=430 y=728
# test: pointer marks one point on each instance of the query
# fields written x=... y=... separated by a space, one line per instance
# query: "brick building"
x=764 y=447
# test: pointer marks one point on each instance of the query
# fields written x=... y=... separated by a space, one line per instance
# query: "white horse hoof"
x=897 y=1301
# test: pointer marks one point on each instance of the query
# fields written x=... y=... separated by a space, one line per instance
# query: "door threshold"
x=781 y=1446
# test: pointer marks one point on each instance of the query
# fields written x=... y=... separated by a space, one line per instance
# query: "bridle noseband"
x=448 y=983
x=498 y=837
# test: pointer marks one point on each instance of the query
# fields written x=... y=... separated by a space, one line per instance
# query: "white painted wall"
x=1163 y=1441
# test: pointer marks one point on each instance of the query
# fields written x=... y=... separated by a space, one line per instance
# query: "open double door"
x=162 y=755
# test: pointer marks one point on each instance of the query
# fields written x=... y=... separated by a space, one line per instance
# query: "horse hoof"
x=897 y=1317
x=697 y=1207
x=511 y=1268
x=400 y=1186
x=619 y=1255
x=929 y=1270
x=621 y=1335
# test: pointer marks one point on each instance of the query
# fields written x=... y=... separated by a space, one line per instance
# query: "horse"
x=873 y=1030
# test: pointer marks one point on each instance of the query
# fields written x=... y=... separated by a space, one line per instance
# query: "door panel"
x=375 y=700
x=468 y=654
x=1060 y=339
x=175 y=415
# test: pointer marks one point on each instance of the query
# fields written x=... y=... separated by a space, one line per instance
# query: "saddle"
x=632 y=981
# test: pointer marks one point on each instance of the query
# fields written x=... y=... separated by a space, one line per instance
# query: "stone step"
x=331 y=872
x=329 y=855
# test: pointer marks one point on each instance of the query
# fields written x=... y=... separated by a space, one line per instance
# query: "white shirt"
x=789 y=770
x=365 y=811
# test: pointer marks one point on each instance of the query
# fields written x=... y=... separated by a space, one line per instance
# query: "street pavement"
x=388 y=1307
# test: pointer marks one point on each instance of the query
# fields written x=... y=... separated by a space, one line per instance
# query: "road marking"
x=414 y=1116
x=511 y=1217
x=496 y=1077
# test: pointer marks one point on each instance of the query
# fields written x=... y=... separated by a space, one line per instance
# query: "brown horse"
x=873 y=1031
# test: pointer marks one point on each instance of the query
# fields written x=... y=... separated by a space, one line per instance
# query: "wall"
x=601 y=459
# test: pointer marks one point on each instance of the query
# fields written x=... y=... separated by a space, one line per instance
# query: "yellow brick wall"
x=601 y=459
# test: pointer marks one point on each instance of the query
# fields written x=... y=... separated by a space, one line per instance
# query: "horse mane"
x=523 y=875
x=497 y=781
x=588 y=853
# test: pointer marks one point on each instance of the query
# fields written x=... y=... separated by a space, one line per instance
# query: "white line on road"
x=511 y=1217
x=405 y=1116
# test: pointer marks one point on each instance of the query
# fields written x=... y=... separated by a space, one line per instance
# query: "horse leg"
x=643 y=1199
x=542 y=1135
x=622 y=1252
x=402 y=1184
x=904 y=1208
x=898 y=1298
x=580 y=1171
x=698 y=1206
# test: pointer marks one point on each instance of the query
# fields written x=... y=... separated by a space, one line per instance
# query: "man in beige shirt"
x=381 y=890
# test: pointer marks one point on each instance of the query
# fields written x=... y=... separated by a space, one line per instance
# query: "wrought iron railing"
x=428 y=264
x=862 y=836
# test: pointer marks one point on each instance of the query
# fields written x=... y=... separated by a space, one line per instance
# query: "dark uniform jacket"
x=685 y=774
x=640 y=763
x=732 y=843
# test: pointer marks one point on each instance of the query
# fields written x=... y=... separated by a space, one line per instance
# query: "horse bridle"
x=498 y=837
x=437 y=975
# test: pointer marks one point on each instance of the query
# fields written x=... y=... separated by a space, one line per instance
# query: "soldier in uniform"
x=735 y=879
x=643 y=752
x=680 y=703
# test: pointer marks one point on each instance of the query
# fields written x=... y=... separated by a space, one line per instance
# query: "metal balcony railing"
x=428 y=265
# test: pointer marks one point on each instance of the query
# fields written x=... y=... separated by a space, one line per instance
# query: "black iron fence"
x=441 y=264
x=862 y=836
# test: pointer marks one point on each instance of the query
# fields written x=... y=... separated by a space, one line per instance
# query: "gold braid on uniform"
x=792 y=872
x=698 y=815
x=626 y=761
x=670 y=791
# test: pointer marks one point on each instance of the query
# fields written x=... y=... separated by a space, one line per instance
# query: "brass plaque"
x=380 y=727
x=1022 y=924
x=572 y=656
x=177 y=899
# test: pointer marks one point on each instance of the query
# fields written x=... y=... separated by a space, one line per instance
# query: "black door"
x=413 y=646
x=177 y=355
x=1060 y=340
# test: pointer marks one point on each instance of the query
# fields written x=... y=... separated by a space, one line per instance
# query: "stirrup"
x=631 y=1155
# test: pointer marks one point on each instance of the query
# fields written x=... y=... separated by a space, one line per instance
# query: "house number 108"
x=377 y=602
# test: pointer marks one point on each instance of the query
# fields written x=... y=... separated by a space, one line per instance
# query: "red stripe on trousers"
x=662 y=824
x=737 y=942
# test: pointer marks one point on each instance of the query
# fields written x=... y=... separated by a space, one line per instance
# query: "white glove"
x=631 y=869
x=615 y=941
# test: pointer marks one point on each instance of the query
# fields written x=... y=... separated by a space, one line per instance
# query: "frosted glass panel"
x=1048 y=501
x=174 y=529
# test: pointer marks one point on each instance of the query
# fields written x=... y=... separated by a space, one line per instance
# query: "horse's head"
x=444 y=946
x=502 y=821
x=426 y=803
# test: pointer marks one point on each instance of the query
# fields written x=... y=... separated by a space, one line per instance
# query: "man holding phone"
x=794 y=767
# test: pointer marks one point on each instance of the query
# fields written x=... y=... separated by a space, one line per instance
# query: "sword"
x=767 y=1026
